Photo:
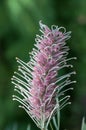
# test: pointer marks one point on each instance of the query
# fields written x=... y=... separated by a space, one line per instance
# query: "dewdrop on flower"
x=38 y=81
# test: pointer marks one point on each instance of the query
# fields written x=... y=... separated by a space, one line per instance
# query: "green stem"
x=51 y=126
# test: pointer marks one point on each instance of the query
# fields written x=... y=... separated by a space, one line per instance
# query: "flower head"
x=38 y=81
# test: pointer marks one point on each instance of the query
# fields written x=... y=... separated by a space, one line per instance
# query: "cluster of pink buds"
x=38 y=81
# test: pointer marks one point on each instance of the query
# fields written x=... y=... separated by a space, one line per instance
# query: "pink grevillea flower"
x=38 y=81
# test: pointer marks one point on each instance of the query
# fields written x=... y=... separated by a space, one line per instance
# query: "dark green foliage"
x=18 y=27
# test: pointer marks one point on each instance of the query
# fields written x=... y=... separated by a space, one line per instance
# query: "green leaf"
x=29 y=127
x=83 y=127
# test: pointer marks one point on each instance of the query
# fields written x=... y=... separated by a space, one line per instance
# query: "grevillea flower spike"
x=38 y=81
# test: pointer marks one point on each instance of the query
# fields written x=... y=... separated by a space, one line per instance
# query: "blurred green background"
x=18 y=27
